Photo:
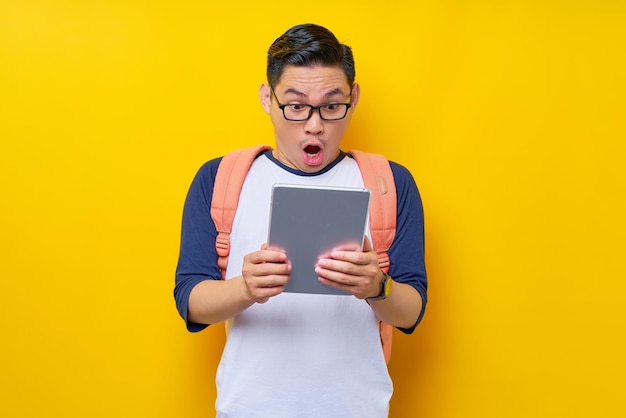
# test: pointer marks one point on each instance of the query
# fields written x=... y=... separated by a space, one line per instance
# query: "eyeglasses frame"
x=311 y=109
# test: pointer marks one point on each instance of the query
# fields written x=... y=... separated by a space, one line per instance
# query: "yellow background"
x=510 y=115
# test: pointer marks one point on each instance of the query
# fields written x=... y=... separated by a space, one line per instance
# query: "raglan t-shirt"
x=299 y=355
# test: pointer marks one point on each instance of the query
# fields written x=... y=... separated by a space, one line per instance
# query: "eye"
x=298 y=107
x=332 y=107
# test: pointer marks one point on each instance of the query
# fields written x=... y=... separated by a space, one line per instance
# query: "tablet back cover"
x=308 y=221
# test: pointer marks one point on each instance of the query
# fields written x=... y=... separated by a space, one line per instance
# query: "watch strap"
x=385 y=288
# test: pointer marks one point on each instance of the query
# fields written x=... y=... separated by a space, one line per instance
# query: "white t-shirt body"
x=298 y=355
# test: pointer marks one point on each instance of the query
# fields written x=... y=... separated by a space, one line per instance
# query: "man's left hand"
x=356 y=272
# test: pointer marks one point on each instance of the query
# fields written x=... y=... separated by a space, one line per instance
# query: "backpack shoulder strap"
x=378 y=177
x=229 y=179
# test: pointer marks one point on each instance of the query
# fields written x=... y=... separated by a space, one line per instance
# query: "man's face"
x=309 y=145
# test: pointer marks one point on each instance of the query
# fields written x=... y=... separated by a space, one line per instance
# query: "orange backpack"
x=377 y=177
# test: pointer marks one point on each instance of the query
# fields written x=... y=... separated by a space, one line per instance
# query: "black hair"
x=305 y=46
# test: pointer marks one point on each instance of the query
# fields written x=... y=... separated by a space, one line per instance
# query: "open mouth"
x=312 y=150
x=313 y=154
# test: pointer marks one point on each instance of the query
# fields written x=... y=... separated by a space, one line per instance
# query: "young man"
x=287 y=354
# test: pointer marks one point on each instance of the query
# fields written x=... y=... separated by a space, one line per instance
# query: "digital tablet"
x=309 y=221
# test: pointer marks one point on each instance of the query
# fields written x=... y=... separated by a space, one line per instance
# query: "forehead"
x=313 y=80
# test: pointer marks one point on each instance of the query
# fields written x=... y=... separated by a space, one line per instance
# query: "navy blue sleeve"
x=197 y=260
x=406 y=255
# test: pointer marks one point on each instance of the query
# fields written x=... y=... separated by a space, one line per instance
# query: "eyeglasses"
x=298 y=112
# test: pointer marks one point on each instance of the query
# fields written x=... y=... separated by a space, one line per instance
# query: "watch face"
x=387 y=285
x=387 y=282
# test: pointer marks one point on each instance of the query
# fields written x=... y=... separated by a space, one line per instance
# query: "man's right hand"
x=265 y=273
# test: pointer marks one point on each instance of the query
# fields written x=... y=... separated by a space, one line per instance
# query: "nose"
x=315 y=124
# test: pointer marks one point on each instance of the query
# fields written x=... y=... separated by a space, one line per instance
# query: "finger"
x=342 y=282
x=338 y=272
x=273 y=248
x=348 y=265
x=351 y=257
x=262 y=295
x=266 y=256
x=348 y=246
x=262 y=265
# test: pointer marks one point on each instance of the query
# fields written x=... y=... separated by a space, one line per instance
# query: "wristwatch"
x=385 y=288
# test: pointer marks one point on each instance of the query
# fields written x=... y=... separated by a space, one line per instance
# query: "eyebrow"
x=328 y=94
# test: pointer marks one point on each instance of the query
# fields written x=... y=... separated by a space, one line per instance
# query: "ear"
x=265 y=95
x=356 y=93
